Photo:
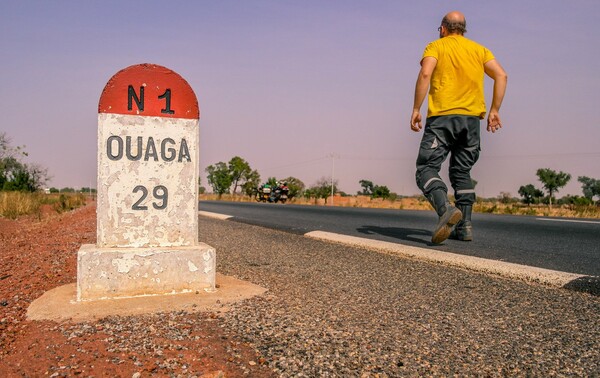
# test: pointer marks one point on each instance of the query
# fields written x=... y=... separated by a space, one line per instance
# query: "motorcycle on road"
x=263 y=193
x=279 y=194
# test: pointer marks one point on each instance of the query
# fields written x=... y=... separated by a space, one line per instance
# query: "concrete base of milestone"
x=108 y=273
x=60 y=304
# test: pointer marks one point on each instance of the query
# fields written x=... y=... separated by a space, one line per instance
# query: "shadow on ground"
x=408 y=234
x=587 y=284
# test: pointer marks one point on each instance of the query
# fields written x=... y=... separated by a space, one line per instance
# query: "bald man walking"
x=452 y=71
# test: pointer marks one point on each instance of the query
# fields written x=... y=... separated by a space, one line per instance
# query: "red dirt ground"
x=39 y=255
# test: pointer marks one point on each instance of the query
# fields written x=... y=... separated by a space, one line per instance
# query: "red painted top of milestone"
x=117 y=96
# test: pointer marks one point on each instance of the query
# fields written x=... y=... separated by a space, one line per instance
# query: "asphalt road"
x=562 y=244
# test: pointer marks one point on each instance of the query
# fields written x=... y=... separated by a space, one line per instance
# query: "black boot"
x=449 y=215
x=464 y=229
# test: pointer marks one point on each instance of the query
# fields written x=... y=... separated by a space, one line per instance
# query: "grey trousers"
x=457 y=135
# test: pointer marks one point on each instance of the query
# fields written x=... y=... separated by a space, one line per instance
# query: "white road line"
x=567 y=220
x=510 y=270
x=214 y=215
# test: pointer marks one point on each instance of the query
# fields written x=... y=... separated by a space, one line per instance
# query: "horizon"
x=305 y=89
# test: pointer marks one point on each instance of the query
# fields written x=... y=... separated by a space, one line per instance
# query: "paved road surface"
x=566 y=245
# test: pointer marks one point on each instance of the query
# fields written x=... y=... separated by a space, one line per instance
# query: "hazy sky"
x=288 y=84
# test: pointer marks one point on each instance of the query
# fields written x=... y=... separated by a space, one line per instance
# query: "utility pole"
x=333 y=156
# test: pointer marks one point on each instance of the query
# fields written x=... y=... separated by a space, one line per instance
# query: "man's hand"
x=493 y=122
x=415 y=121
x=494 y=70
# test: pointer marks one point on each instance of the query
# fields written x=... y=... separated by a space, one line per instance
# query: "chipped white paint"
x=126 y=272
x=119 y=224
x=125 y=264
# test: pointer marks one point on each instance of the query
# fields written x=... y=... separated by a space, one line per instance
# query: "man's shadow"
x=408 y=234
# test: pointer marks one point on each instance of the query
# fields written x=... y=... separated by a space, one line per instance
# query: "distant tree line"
x=552 y=181
x=228 y=177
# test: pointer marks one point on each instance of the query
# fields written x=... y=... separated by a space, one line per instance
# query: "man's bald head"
x=455 y=23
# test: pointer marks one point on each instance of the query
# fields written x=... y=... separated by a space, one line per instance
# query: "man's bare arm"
x=494 y=70
x=427 y=66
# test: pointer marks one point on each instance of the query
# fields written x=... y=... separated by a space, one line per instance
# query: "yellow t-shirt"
x=457 y=81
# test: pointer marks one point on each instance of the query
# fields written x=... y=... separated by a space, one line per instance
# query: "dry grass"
x=15 y=204
x=420 y=203
x=568 y=211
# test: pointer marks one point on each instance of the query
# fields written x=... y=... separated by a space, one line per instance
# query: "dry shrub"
x=14 y=204
x=66 y=201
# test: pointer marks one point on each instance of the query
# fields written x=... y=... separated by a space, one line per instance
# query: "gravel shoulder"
x=333 y=310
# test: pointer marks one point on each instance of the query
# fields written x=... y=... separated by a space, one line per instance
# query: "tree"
x=39 y=175
x=239 y=169
x=219 y=178
x=322 y=189
x=16 y=175
x=7 y=151
x=10 y=165
x=21 y=181
x=552 y=181
x=381 y=192
x=590 y=187
x=201 y=189
x=374 y=191
x=251 y=182
x=530 y=194
x=295 y=186
x=367 y=187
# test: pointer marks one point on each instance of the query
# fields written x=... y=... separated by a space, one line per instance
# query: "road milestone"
x=147 y=208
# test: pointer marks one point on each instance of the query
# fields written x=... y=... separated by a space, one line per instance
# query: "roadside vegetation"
x=237 y=181
x=483 y=205
x=21 y=186
x=15 y=204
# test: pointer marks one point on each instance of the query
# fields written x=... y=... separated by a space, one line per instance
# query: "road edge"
x=526 y=273
x=501 y=268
